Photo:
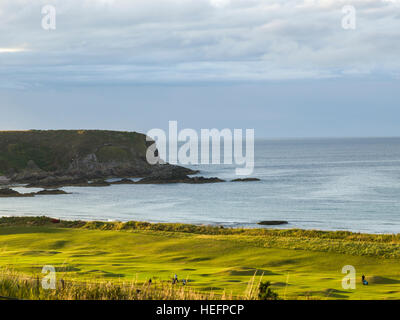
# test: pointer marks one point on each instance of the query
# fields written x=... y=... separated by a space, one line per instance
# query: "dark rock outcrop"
x=51 y=192
x=4 y=180
x=272 y=223
x=98 y=183
x=10 y=193
x=246 y=180
x=59 y=182
x=123 y=181
x=194 y=180
x=176 y=176
x=53 y=182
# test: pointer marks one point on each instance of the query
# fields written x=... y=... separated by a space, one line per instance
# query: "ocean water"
x=326 y=184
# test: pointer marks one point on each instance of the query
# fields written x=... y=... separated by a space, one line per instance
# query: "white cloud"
x=220 y=3
x=196 y=40
x=11 y=50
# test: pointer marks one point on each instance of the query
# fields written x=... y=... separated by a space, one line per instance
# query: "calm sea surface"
x=328 y=184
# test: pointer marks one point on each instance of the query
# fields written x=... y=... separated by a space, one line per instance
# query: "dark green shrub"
x=265 y=292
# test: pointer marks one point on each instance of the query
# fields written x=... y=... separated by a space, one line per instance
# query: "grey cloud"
x=159 y=41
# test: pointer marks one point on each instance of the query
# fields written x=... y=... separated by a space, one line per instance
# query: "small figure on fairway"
x=364 y=282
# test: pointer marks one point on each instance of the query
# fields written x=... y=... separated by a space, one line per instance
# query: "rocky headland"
x=57 y=158
x=85 y=158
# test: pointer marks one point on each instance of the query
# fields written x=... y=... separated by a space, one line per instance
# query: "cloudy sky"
x=287 y=68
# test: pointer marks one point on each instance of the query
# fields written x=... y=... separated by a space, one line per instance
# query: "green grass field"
x=212 y=261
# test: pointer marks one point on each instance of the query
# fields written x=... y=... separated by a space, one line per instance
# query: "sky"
x=286 y=68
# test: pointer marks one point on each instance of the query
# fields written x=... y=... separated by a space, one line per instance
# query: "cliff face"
x=27 y=156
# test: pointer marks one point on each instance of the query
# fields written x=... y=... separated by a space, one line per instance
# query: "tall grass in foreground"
x=16 y=286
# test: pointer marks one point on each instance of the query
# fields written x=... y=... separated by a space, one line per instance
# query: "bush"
x=265 y=292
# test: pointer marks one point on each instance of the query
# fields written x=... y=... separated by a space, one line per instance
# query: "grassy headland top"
x=58 y=149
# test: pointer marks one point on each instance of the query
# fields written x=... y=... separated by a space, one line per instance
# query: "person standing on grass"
x=364 y=282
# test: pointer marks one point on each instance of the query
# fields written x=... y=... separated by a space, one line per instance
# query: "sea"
x=350 y=184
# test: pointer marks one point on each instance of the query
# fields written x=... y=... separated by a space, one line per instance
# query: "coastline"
x=345 y=184
x=377 y=245
x=253 y=225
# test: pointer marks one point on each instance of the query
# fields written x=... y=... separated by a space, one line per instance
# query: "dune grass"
x=221 y=262
x=14 y=285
